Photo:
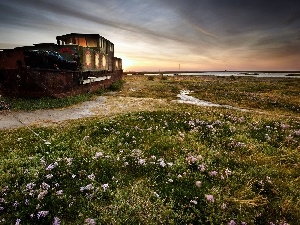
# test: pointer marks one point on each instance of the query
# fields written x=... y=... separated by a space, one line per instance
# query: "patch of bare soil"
x=102 y=106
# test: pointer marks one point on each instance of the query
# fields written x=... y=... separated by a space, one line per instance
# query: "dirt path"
x=102 y=106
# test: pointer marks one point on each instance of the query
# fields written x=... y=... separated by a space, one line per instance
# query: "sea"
x=234 y=73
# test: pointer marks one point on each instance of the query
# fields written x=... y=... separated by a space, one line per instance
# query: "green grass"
x=182 y=165
x=280 y=95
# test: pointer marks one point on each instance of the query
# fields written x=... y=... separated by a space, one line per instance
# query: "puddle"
x=186 y=98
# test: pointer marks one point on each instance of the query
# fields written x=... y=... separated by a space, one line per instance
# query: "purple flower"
x=56 y=221
x=231 y=222
x=49 y=176
x=89 y=221
x=210 y=198
x=50 y=167
x=30 y=186
x=202 y=167
x=45 y=186
x=42 y=214
x=15 y=204
x=198 y=183
x=42 y=194
x=213 y=173
x=18 y=222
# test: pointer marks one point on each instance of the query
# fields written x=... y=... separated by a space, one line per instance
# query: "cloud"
x=207 y=30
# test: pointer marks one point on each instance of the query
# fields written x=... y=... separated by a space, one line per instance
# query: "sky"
x=159 y=35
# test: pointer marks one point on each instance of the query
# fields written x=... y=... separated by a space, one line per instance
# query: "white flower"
x=227 y=172
x=194 y=202
x=98 y=154
x=60 y=192
x=91 y=176
x=142 y=161
x=49 y=176
x=105 y=186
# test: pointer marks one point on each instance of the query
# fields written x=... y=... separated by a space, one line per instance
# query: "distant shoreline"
x=290 y=73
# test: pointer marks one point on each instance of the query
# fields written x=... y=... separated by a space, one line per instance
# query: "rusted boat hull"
x=44 y=82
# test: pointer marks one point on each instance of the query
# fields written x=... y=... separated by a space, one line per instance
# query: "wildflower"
x=142 y=161
x=30 y=186
x=155 y=194
x=15 y=204
x=26 y=202
x=89 y=221
x=89 y=187
x=49 y=176
x=45 y=186
x=18 y=222
x=98 y=154
x=126 y=163
x=162 y=163
x=73 y=176
x=170 y=180
x=50 y=167
x=1 y=208
x=223 y=206
x=60 y=192
x=194 y=202
x=243 y=223
x=69 y=161
x=105 y=186
x=231 y=222
x=213 y=173
x=56 y=221
x=202 y=167
x=198 y=183
x=42 y=194
x=47 y=143
x=227 y=172
x=91 y=176
x=179 y=176
x=190 y=159
x=210 y=198
x=153 y=157
x=42 y=214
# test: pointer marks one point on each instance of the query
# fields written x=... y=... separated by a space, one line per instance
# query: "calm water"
x=254 y=74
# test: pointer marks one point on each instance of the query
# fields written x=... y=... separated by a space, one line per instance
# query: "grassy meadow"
x=183 y=164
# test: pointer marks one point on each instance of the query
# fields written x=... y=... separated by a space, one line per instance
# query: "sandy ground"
x=102 y=106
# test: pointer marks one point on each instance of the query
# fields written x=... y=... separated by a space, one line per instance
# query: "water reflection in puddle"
x=186 y=98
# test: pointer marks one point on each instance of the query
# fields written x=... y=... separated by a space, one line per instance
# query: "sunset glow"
x=160 y=35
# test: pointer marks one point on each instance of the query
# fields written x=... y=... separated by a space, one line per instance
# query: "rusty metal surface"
x=39 y=83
